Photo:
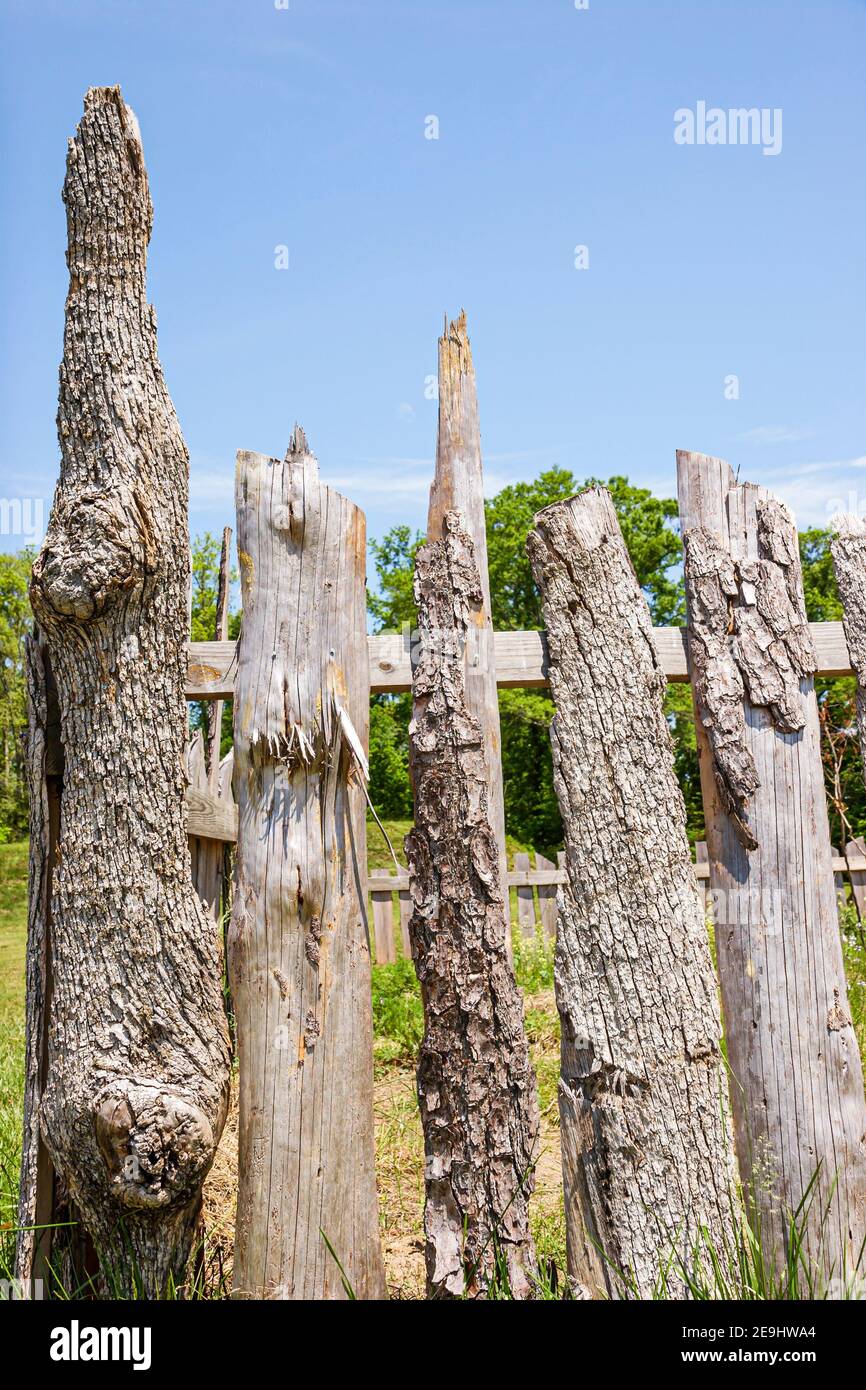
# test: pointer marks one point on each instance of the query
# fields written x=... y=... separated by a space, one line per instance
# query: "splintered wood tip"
x=298 y=445
x=454 y=344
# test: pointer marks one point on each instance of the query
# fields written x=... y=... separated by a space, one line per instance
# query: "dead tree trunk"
x=299 y=955
x=797 y=1086
x=848 y=547
x=646 y=1147
x=137 y=1068
x=458 y=485
x=476 y=1089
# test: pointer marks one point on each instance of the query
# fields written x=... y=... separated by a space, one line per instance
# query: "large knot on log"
x=99 y=546
x=156 y=1144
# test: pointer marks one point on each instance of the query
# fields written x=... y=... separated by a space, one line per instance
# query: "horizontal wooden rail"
x=521 y=660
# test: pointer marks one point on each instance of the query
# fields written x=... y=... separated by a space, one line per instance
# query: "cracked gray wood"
x=299 y=954
x=848 y=548
x=646 y=1146
x=476 y=1089
x=138 y=1062
x=797 y=1083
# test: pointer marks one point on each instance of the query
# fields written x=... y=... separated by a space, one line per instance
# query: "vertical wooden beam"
x=702 y=856
x=299 y=952
x=458 y=485
x=405 y=901
x=646 y=1155
x=797 y=1085
x=546 y=898
x=525 y=902
x=221 y=632
x=383 y=919
x=855 y=853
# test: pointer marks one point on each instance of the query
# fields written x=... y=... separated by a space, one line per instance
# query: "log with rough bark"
x=797 y=1083
x=848 y=548
x=476 y=1089
x=458 y=485
x=299 y=956
x=138 y=1062
x=647 y=1154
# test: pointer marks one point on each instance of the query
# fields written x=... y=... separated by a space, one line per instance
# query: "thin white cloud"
x=816 y=490
x=776 y=434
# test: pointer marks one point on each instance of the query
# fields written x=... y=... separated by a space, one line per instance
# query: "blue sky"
x=305 y=127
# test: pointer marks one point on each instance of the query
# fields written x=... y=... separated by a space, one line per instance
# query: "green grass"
x=13 y=936
x=739 y=1272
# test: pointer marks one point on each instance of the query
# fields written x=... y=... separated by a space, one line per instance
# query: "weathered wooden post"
x=797 y=1083
x=646 y=1150
x=848 y=548
x=458 y=485
x=299 y=956
x=137 y=1072
x=476 y=1089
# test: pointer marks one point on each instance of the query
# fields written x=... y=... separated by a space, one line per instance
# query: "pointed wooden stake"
x=458 y=485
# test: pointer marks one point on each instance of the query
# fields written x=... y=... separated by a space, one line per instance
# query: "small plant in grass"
x=533 y=961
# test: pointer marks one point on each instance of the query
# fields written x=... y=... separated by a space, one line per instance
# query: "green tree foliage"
x=15 y=623
x=206 y=550
x=648 y=526
x=390 y=792
x=840 y=748
x=394 y=560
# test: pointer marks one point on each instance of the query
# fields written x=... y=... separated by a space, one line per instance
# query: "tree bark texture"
x=646 y=1146
x=458 y=485
x=299 y=953
x=137 y=1068
x=797 y=1083
x=848 y=548
x=476 y=1089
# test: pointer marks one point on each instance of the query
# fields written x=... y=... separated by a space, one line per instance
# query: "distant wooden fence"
x=532 y=889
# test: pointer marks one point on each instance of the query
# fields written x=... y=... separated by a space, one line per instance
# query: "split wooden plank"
x=525 y=901
x=547 y=894
x=797 y=1088
x=299 y=962
x=383 y=917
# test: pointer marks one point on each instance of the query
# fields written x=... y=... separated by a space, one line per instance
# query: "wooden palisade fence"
x=127 y=1048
